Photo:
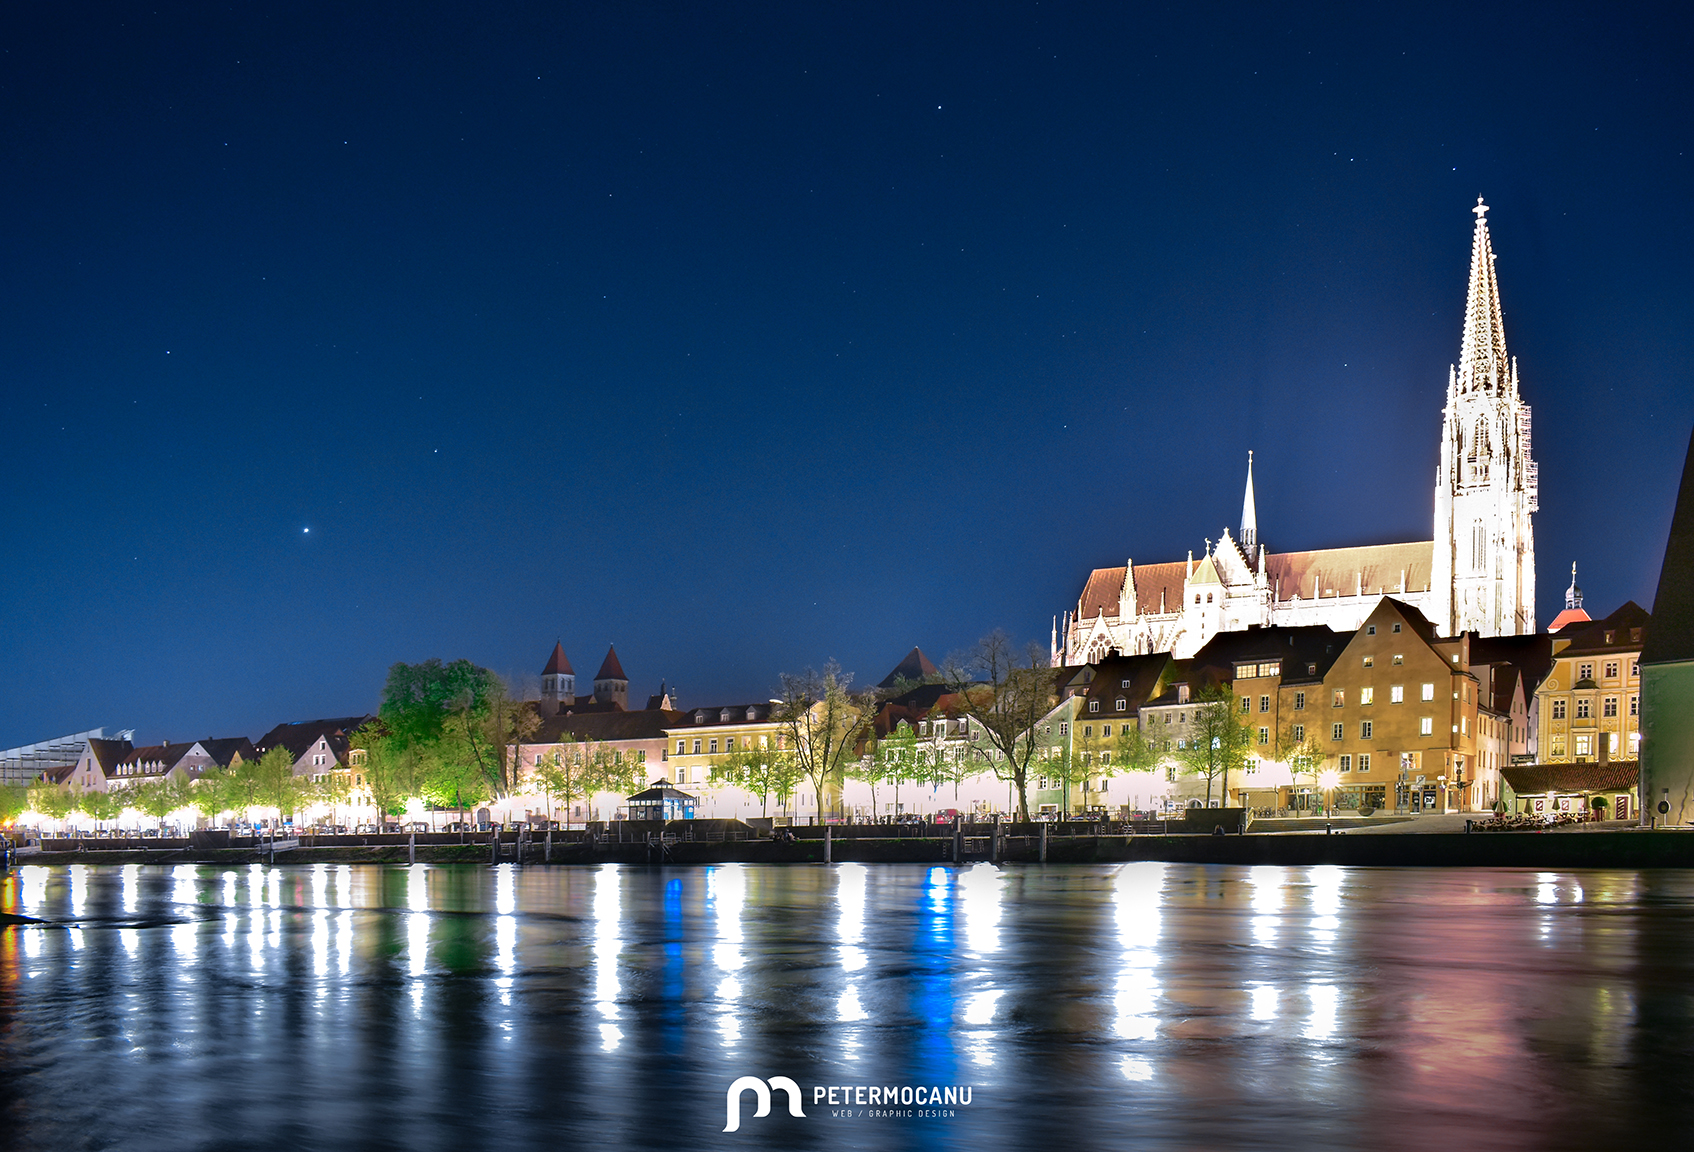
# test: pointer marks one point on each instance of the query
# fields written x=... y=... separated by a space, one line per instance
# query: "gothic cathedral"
x=1476 y=575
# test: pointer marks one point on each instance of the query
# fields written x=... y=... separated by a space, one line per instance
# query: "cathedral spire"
x=1482 y=353
x=1249 y=514
x=1573 y=594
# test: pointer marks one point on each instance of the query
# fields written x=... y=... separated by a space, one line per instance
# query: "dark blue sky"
x=746 y=336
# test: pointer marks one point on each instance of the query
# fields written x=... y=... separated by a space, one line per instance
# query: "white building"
x=1476 y=574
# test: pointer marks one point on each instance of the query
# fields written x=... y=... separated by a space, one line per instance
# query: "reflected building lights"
x=132 y=887
x=1326 y=1003
x=608 y=942
x=1267 y=881
x=79 y=888
x=344 y=942
x=726 y=897
x=1140 y=895
x=1137 y=1068
x=1264 y=1002
x=1325 y=882
x=981 y=889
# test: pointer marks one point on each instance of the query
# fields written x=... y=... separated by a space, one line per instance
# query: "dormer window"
x=1094 y=705
x=1611 y=636
x=1121 y=703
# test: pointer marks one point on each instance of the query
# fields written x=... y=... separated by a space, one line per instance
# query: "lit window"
x=1426 y=726
x=1397 y=694
x=1399 y=659
x=1429 y=691
x=1337 y=698
x=1582 y=745
x=1370 y=661
x=1367 y=695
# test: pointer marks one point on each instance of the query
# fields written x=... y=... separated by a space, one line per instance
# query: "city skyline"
x=804 y=337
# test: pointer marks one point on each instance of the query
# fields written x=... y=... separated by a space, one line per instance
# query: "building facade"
x=1590 y=703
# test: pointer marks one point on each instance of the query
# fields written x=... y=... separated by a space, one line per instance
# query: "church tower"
x=1249 y=515
x=1483 y=577
x=558 y=682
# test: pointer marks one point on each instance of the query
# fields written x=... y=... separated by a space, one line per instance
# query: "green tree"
x=1135 y=750
x=766 y=772
x=14 y=799
x=1217 y=739
x=102 y=807
x=155 y=798
x=55 y=801
x=274 y=782
x=1005 y=693
x=823 y=721
x=392 y=773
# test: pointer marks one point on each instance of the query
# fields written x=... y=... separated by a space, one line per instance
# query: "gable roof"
x=1671 y=638
x=610 y=669
x=224 y=749
x=108 y=754
x=916 y=666
x=558 y=664
x=299 y=736
x=1624 y=623
x=1298 y=648
x=1144 y=675
x=1531 y=655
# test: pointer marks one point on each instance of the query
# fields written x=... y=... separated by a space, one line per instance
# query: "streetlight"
x=1328 y=780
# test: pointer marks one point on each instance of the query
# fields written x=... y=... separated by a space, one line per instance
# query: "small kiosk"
x=660 y=802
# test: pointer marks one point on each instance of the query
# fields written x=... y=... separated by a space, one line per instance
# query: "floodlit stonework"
x=1477 y=574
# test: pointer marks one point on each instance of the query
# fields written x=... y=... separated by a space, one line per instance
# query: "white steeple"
x=1249 y=514
x=1573 y=594
x=1485 y=492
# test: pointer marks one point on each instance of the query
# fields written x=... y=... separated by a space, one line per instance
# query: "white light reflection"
x=131 y=939
x=320 y=943
x=132 y=876
x=981 y=888
x=1325 y=880
x=1264 y=1002
x=79 y=888
x=1547 y=888
x=848 y=1007
x=726 y=896
x=1326 y=1002
x=1267 y=903
x=33 y=891
x=76 y=939
x=1140 y=896
x=1137 y=1068
x=320 y=885
x=417 y=925
x=32 y=944
x=344 y=886
x=608 y=943
x=505 y=929
x=979 y=1009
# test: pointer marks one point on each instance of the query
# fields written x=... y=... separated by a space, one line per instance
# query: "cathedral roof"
x=1207 y=573
x=1377 y=567
x=610 y=669
x=558 y=664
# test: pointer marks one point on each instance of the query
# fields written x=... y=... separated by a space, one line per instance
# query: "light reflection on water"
x=1191 y=1006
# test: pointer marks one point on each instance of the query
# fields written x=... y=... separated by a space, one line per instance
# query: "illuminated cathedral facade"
x=1477 y=573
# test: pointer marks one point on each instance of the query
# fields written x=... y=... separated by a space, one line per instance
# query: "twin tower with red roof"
x=558 y=685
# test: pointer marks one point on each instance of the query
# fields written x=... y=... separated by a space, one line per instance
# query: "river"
x=1115 y=1006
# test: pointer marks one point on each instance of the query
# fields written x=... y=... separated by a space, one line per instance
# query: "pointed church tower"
x=1485 y=490
x=611 y=686
x=558 y=682
x=1249 y=515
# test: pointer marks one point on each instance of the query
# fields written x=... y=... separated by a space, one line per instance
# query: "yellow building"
x=1590 y=703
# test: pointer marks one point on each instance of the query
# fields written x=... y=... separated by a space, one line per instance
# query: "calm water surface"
x=1119 y=1006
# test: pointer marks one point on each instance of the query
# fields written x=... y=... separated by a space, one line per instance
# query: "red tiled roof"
x=558 y=664
x=610 y=669
x=1567 y=617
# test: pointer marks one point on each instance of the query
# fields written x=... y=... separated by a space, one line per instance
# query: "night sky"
x=747 y=337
